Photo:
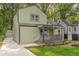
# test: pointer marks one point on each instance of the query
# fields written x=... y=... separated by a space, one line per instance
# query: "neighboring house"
x=30 y=25
x=71 y=31
x=75 y=29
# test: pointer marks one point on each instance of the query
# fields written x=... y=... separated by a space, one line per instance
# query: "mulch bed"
x=75 y=45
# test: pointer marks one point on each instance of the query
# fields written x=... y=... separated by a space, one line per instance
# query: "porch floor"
x=45 y=43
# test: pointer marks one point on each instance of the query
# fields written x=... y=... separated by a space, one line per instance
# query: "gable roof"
x=53 y=23
x=65 y=22
x=34 y=7
x=74 y=23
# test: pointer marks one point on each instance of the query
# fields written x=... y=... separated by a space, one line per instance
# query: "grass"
x=56 y=50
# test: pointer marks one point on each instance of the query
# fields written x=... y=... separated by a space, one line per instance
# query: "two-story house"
x=31 y=25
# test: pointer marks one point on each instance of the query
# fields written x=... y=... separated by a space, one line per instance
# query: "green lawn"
x=59 y=50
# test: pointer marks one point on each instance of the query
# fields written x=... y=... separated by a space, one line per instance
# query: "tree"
x=67 y=11
x=6 y=16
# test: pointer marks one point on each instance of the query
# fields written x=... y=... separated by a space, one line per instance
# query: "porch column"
x=43 y=33
x=69 y=33
x=53 y=32
x=62 y=33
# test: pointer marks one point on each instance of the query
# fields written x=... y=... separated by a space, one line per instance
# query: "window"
x=45 y=28
x=59 y=21
x=58 y=31
x=32 y=17
x=70 y=29
x=35 y=17
x=74 y=28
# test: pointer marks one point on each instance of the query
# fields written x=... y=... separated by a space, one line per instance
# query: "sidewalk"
x=11 y=48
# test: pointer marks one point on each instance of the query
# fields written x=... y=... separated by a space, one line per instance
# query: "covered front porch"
x=52 y=34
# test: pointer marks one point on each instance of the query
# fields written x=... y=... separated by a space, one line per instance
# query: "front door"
x=50 y=33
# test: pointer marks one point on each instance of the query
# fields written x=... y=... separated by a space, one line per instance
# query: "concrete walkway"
x=10 y=48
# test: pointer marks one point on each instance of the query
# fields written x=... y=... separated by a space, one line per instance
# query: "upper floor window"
x=34 y=17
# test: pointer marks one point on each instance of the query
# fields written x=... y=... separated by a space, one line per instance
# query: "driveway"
x=11 y=48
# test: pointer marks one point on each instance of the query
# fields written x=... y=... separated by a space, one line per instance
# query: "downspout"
x=18 y=24
x=17 y=9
